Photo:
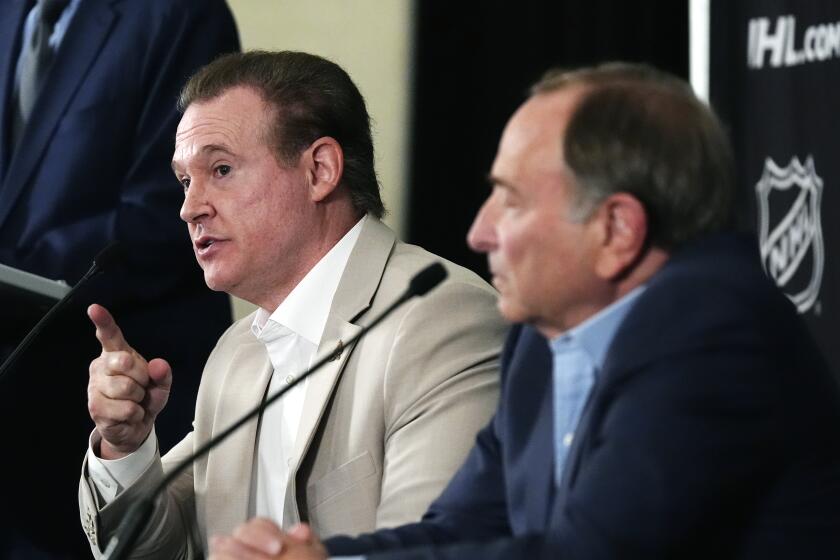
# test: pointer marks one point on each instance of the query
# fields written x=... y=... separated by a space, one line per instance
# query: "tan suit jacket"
x=384 y=426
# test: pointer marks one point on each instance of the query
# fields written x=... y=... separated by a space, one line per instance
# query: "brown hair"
x=641 y=131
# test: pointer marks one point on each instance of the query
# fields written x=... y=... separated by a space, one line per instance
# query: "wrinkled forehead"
x=236 y=119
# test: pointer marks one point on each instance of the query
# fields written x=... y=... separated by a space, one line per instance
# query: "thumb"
x=160 y=382
x=160 y=373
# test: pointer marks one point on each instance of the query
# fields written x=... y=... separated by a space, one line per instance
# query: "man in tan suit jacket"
x=381 y=429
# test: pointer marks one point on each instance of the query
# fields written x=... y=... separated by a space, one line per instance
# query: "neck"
x=613 y=290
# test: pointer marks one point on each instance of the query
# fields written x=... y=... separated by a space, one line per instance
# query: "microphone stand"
x=138 y=514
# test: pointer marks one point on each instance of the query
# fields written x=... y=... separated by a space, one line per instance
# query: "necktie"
x=573 y=377
x=36 y=59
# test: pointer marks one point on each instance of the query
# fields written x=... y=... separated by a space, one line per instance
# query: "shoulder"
x=711 y=284
x=378 y=257
x=463 y=300
x=406 y=260
x=713 y=304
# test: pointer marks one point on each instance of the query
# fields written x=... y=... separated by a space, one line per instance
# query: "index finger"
x=107 y=331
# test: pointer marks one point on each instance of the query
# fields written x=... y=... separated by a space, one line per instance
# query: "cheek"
x=514 y=246
x=528 y=262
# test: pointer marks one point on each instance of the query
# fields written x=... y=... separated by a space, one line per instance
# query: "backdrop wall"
x=775 y=73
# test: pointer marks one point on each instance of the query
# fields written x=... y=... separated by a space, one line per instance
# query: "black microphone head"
x=427 y=279
x=109 y=256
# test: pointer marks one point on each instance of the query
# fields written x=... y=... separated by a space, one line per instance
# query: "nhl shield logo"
x=790 y=232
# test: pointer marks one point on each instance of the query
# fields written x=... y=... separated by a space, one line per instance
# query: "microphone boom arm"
x=104 y=259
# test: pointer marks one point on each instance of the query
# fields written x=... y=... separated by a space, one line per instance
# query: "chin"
x=511 y=312
x=215 y=283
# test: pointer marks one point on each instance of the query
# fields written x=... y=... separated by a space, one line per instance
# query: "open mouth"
x=204 y=243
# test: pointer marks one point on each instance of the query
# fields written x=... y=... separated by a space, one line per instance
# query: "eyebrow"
x=496 y=181
x=210 y=148
x=207 y=149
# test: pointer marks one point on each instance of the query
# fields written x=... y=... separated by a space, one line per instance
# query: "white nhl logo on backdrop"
x=790 y=232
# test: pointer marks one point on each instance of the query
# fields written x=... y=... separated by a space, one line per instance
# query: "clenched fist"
x=125 y=392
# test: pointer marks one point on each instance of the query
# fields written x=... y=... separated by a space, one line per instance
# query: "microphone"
x=138 y=514
x=105 y=259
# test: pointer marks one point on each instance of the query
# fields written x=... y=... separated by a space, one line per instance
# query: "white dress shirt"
x=291 y=335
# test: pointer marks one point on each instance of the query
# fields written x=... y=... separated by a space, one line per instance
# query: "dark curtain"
x=474 y=62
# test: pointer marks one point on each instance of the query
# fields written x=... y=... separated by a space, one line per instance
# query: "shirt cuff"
x=112 y=477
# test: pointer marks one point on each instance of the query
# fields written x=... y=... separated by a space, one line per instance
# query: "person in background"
x=660 y=398
x=88 y=112
x=275 y=156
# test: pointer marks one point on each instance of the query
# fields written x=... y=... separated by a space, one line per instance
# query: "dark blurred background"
x=474 y=64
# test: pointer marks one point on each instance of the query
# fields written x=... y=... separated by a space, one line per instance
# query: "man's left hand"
x=261 y=539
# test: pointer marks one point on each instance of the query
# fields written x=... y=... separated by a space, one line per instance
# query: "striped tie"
x=37 y=56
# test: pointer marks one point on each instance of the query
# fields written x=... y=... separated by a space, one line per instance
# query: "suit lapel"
x=229 y=481
x=532 y=427
x=11 y=30
x=581 y=441
x=82 y=42
x=353 y=297
x=613 y=369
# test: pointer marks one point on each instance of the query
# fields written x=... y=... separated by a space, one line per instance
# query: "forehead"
x=235 y=119
x=533 y=138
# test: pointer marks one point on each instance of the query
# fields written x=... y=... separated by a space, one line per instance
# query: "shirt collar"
x=595 y=334
x=306 y=308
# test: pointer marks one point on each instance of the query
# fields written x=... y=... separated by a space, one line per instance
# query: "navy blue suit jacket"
x=94 y=166
x=713 y=431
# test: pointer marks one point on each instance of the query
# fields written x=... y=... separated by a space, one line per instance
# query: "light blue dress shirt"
x=578 y=357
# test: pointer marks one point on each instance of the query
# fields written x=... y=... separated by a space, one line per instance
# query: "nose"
x=482 y=235
x=196 y=206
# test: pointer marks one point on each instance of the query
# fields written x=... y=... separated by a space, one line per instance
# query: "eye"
x=222 y=170
x=185 y=182
x=506 y=198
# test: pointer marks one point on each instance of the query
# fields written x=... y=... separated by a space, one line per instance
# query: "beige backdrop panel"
x=372 y=40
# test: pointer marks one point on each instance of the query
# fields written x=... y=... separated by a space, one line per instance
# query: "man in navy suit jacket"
x=92 y=166
x=666 y=400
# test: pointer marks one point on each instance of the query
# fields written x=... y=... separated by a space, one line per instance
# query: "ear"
x=325 y=160
x=623 y=224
